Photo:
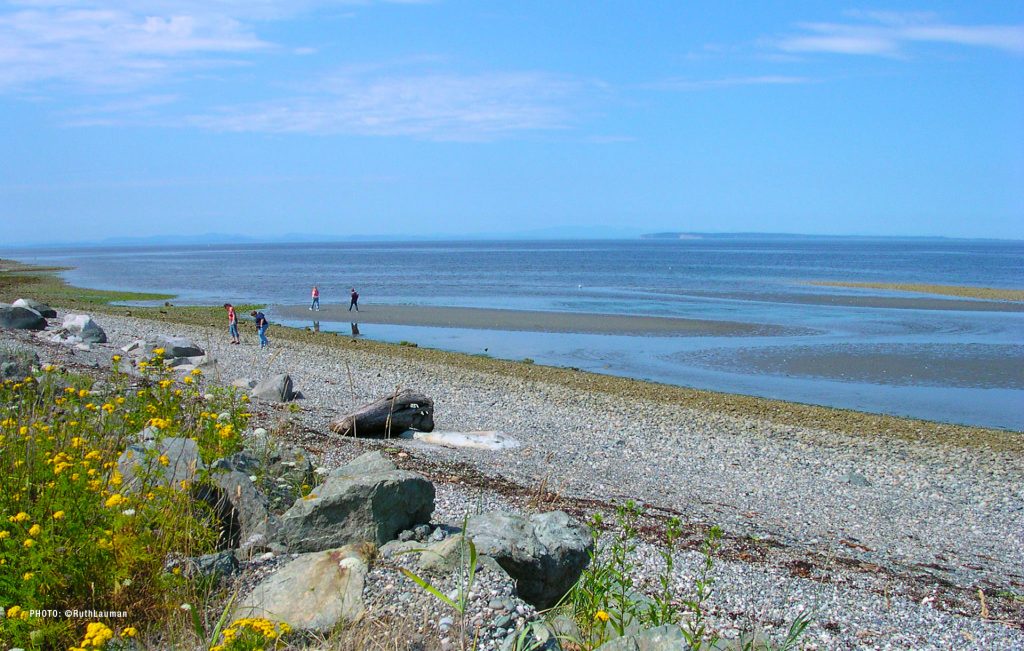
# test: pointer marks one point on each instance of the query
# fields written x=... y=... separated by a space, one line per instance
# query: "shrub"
x=71 y=535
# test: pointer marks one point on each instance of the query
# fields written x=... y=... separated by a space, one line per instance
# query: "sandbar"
x=530 y=321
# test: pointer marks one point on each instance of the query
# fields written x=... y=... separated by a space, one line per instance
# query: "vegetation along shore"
x=759 y=521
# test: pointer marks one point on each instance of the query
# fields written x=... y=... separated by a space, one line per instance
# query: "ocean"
x=938 y=358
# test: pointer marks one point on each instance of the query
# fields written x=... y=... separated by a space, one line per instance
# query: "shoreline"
x=48 y=286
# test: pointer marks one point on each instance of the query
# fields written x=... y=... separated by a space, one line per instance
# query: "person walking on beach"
x=355 y=300
x=232 y=323
x=315 y=305
x=261 y=327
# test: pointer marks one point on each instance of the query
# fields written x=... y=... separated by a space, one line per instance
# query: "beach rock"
x=173 y=347
x=44 y=310
x=180 y=462
x=277 y=388
x=545 y=553
x=84 y=328
x=662 y=638
x=362 y=501
x=176 y=346
x=280 y=472
x=217 y=565
x=239 y=506
x=856 y=479
x=17 y=363
x=314 y=592
x=21 y=318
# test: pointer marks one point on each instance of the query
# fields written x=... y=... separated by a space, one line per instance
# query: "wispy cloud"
x=894 y=33
x=112 y=44
x=108 y=48
x=430 y=106
x=684 y=84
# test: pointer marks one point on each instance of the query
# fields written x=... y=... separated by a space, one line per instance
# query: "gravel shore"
x=886 y=540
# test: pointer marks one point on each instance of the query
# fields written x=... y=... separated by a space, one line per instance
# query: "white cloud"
x=112 y=44
x=430 y=106
x=110 y=48
x=892 y=33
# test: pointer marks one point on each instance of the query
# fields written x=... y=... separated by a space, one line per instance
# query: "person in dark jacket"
x=355 y=300
x=261 y=327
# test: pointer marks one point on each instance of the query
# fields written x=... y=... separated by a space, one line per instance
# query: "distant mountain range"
x=550 y=233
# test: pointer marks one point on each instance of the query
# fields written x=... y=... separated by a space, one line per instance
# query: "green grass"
x=41 y=283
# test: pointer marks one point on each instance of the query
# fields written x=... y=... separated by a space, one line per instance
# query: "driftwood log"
x=388 y=416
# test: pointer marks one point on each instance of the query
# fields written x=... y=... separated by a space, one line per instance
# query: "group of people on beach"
x=261 y=319
x=353 y=299
x=261 y=325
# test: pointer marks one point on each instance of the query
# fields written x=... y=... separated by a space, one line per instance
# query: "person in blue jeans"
x=261 y=327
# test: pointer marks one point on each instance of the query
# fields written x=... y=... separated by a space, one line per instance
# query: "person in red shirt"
x=232 y=323
x=315 y=305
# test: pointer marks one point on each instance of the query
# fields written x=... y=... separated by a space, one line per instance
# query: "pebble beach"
x=887 y=540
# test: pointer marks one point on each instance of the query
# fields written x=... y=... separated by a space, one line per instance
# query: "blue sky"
x=263 y=117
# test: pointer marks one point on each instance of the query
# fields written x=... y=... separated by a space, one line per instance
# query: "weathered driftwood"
x=388 y=416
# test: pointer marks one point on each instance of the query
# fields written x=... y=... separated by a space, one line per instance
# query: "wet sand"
x=966 y=291
x=965 y=304
x=962 y=365
x=530 y=321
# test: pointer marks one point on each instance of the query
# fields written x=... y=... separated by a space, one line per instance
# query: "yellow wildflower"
x=129 y=631
x=196 y=372
x=164 y=460
x=116 y=358
x=97 y=635
x=13 y=612
x=83 y=393
x=4 y=534
x=601 y=616
x=187 y=379
x=35 y=530
x=20 y=517
x=28 y=543
x=158 y=351
x=114 y=500
x=58 y=515
x=27 y=576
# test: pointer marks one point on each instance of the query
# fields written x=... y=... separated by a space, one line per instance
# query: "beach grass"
x=780 y=413
x=961 y=291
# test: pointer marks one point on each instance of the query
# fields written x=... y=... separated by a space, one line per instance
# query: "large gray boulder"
x=21 y=318
x=168 y=462
x=367 y=500
x=545 y=553
x=44 y=310
x=314 y=592
x=173 y=347
x=176 y=346
x=277 y=388
x=84 y=328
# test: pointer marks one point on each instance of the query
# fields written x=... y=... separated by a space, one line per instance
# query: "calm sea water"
x=961 y=366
